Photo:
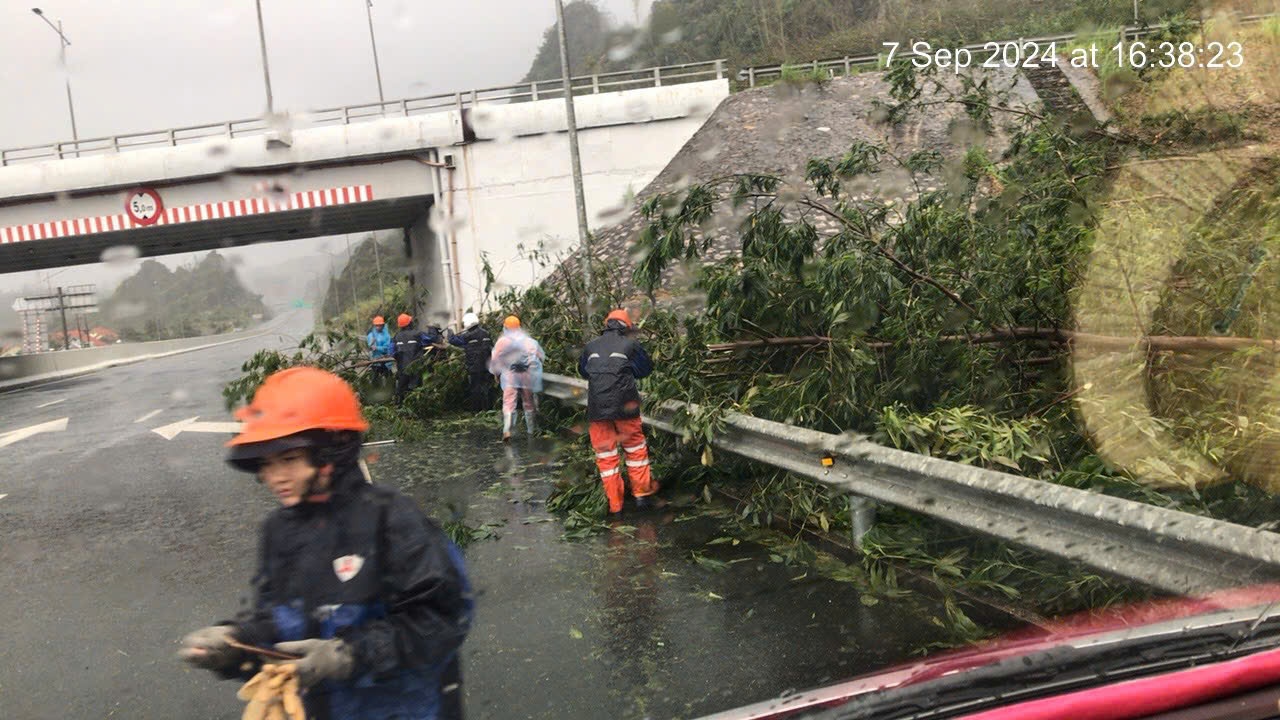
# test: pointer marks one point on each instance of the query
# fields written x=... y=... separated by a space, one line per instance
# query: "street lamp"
x=374 y=43
x=63 y=44
x=575 y=161
x=266 y=71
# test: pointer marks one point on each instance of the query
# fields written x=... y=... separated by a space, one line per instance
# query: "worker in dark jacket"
x=476 y=344
x=408 y=347
x=611 y=364
x=352 y=577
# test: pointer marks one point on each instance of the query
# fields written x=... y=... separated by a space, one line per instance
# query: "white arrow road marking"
x=51 y=402
x=148 y=416
x=169 y=432
x=14 y=436
x=3 y=495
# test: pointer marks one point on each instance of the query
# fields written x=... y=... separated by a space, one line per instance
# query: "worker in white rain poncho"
x=517 y=361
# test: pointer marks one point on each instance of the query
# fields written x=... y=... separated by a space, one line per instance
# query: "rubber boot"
x=530 y=422
x=508 y=420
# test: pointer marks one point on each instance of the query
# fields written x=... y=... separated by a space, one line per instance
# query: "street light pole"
x=377 y=267
x=266 y=70
x=351 y=277
x=575 y=160
x=377 y=71
x=63 y=44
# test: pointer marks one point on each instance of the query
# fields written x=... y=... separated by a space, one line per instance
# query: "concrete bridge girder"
x=500 y=175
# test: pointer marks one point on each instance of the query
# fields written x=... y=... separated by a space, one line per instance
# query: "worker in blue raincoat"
x=379 y=341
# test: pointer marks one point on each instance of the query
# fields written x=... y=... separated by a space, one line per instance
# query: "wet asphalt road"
x=116 y=542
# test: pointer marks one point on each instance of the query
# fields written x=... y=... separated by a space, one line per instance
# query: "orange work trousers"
x=606 y=435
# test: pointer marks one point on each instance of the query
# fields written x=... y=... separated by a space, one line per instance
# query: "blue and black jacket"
x=405 y=609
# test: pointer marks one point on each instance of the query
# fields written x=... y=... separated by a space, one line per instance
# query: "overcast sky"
x=139 y=65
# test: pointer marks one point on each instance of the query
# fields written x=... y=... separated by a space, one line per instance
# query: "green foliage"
x=970 y=435
x=443 y=382
x=1206 y=127
x=796 y=31
x=463 y=534
x=581 y=497
x=800 y=75
x=372 y=260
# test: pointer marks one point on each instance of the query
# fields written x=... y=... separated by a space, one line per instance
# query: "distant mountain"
x=158 y=303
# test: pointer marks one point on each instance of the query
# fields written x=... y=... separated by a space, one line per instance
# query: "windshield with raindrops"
x=640 y=359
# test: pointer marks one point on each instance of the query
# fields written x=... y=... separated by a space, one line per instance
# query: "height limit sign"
x=143 y=206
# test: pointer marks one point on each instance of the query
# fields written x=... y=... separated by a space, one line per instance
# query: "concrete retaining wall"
x=24 y=370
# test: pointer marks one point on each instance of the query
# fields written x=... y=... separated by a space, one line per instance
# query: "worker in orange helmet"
x=353 y=578
x=409 y=347
x=611 y=364
x=517 y=361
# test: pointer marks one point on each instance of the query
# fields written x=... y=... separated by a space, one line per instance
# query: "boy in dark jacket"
x=352 y=576
x=611 y=364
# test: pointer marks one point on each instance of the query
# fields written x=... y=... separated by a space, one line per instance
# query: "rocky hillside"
x=157 y=303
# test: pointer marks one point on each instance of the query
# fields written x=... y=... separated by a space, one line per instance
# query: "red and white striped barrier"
x=190 y=213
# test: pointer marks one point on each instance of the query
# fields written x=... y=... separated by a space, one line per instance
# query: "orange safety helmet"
x=620 y=315
x=511 y=322
x=377 y=320
x=404 y=320
x=288 y=405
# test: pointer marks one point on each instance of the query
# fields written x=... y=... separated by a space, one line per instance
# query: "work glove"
x=208 y=648
x=319 y=660
x=272 y=694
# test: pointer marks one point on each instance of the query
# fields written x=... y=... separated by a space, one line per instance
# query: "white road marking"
x=51 y=402
x=148 y=416
x=3 y=495
x=169 y=432
x=14 y=436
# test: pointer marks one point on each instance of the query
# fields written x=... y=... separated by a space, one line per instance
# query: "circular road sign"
x=143 y=206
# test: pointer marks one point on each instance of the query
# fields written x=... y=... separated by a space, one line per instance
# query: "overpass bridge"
x=465 y=176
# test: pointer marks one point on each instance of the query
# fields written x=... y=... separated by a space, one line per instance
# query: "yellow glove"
x=272 y=694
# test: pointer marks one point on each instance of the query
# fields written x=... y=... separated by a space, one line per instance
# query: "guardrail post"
x=115 y=144
x=848 y=69
x=457 y=102
x=346 y=115
x=862 y=516
x=173 y=141
x=533 y=90
x=657 y=77
x=475 y=99
x=751 y=77
x=404 y=108
x=595 y=84
x=4 y=158
x=815 y=67
x=719 y=68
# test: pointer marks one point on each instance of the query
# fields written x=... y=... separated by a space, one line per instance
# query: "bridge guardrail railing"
x=754 y=75
x=1166 y=549
x=345 y=115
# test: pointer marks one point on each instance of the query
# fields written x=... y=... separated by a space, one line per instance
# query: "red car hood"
x=1020 y=642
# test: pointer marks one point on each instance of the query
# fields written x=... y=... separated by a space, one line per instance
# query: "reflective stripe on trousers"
x=606 y=435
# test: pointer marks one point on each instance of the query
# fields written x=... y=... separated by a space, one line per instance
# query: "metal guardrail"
x=846 y=65
x=1166 y=549
x=537 y=90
